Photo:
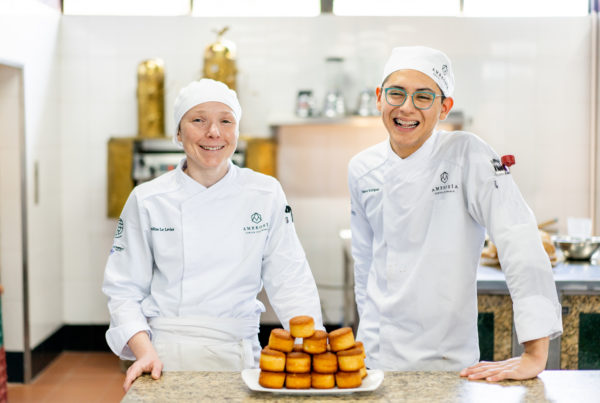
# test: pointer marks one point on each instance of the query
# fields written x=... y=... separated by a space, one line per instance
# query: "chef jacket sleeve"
x=496 y=203
x=362 y=243
x=127 y=278
x=286 y=275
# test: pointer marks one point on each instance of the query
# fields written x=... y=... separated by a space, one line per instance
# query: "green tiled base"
x=589 y=341
x=485 y=328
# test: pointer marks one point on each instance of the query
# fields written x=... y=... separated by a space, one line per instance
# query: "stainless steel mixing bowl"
x=577 y=248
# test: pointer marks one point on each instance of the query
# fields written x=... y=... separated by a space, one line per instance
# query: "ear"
x=179 y=135
x=446 y=107
x=378 y=93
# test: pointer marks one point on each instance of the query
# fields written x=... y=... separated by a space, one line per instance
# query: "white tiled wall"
x=28 y=32
x=524 y=83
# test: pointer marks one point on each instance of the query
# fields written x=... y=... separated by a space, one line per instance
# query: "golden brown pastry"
x=359 y=344
x=341 y=339
x=346 y=380
x=322 y=381
x=302 y=326
x=298 y=348
x=315 y=344
x=363 y=372
x=298 y=363
x=325 y=363
x=350 y=360
x=490 y=251
x=272 y=360
x=281 y=340
x=272 y=380
x=298 y=381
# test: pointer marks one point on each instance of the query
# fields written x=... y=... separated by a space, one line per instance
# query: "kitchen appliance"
x=334 y=104
x=219 y=60
x=367 y=105
x=305 y=104
x=151 y=98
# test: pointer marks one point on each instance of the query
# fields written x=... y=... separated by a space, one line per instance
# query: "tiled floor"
x=74 y=377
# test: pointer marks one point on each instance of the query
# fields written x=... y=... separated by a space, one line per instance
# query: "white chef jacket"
x=182 y=250
x=418 y=227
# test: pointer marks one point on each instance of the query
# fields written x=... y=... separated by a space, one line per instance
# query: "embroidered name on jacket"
x=162 y=229
x=445 y=187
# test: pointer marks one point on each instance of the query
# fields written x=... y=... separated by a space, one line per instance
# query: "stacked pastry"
x=321 y=361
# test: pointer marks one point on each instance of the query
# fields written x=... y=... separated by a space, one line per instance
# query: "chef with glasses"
x=421 y=204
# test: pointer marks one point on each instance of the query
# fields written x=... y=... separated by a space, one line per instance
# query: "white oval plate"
x=370 y=382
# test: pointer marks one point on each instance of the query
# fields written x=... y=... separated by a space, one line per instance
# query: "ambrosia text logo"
x=256 y=218
x=446 y=187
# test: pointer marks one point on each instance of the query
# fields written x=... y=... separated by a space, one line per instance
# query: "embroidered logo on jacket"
x=259 y=226
x=445 y=187
x=119 y=231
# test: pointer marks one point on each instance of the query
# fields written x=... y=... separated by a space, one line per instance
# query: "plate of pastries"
x=489 y=254
x=308 y=361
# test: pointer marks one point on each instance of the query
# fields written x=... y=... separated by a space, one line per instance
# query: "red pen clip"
x=508 y=160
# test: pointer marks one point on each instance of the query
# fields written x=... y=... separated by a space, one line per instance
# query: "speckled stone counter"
x=550 y=386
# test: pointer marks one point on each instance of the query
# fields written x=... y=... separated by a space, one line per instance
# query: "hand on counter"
x=147 y=359
x=531 y=363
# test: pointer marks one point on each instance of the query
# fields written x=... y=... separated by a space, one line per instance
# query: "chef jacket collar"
x=194 y=187
x=422 y=154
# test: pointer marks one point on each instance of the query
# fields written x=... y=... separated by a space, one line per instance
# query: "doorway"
x=13 y=224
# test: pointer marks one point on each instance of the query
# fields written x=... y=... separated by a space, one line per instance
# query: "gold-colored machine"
x=151 y=98
x=219 y=60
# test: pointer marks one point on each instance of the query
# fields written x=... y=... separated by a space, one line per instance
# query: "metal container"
x=151 y=98
x=577 y=248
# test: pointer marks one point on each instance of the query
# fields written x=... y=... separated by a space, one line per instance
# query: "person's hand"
x=147 y=363
x=147 y=359
x=527 y=366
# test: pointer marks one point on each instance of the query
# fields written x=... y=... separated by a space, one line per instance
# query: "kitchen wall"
x=28 y=41
x=524 y=84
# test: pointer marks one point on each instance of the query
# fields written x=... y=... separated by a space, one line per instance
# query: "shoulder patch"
x=499 y=167
x=289 y=217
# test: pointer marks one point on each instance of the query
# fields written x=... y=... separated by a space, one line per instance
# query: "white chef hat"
x=206 y=90
x=431 y=62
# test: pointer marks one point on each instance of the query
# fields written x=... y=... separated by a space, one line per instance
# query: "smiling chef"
x=421 y=203
x=194 y=247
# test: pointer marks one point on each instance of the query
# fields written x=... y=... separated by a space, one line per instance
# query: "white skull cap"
x=431 y=62
x=205 y=90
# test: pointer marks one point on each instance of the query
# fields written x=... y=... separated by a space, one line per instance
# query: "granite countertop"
x=550 y=386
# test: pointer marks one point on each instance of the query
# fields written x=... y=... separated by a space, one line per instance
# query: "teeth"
x=406 y=123
x=212 y=148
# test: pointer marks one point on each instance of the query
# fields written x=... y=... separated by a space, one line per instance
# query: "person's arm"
x=531 y=363
x=362 y=245
x=286 y=275
x=496 y=203
x=147 y=359
x=127 y=279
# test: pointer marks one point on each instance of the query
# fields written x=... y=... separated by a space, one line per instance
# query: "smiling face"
x=408 y=126
x=207 y=132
